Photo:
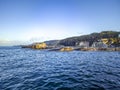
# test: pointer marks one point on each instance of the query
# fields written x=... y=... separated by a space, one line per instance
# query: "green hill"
x=93 y=37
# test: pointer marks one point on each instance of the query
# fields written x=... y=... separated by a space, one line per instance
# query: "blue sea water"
x=28 y=69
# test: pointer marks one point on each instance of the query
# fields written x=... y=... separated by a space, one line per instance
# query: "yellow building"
x=114 y=40
x=109 y=41
x=105 y=40
x=39 y=46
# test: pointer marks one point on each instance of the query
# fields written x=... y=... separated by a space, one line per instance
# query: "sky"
x=27 y=21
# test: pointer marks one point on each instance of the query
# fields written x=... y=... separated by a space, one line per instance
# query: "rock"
x=66 y=49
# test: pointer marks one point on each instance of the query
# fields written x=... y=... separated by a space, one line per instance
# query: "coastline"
x=73 y=48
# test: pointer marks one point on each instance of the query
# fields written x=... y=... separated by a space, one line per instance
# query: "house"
x=111 y=41
x=39 y=46
x=83 y=44
x=105 y=40
x=99 y=45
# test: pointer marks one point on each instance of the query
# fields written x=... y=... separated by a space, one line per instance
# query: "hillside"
x=52 y=42
x=93 y=37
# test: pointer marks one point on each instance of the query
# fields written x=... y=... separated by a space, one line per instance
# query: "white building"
x=119 y=35
x=83 y=44
x=99 y=45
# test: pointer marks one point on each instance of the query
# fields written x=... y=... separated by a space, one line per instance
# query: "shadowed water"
x=27 y=69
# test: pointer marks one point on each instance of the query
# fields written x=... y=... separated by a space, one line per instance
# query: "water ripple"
x=27 y=69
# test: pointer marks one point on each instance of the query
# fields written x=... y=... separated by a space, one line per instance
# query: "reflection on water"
x=27 y=69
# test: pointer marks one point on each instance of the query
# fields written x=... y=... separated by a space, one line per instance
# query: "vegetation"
x=52 y=42
x=84 y=42
x=112 y=35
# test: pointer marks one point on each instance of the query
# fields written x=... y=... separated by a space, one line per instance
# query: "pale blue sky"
x=39 y=20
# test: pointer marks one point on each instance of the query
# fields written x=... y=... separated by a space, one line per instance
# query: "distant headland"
x=103 y=41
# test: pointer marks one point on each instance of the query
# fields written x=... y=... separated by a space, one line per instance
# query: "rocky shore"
x=103 y=41
x=86 y=49
x=70 y=48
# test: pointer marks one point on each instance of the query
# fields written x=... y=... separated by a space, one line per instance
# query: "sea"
x=29 y=69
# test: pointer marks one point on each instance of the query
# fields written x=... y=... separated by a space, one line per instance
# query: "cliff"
x=94 y=41
x=112 y=38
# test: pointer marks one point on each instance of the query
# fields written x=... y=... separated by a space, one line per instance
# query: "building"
x=39 y=46
x=99 y=45
x=83 y=44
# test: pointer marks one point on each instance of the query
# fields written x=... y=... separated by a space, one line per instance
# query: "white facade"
x=99 y=45
x=83 y=44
